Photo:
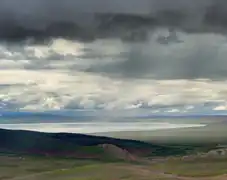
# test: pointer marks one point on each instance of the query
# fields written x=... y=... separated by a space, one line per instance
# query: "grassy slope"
x=30 y=165
x=36 y=168
x=196 y=167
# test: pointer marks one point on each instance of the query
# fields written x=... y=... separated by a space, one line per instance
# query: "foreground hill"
x=29 y=167
x=27 y=155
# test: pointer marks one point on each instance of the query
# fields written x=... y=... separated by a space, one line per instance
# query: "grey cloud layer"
x=36 y=13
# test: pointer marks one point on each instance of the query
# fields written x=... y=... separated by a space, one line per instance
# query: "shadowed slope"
x=17 y=141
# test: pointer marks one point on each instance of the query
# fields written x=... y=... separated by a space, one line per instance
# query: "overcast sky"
x=110 y=74
x=50 y=10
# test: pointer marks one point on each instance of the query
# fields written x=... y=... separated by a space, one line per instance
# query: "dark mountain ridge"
x=29 y=142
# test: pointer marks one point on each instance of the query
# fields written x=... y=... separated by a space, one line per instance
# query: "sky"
x=101 y=75
x=39 y=13
x=110 y=75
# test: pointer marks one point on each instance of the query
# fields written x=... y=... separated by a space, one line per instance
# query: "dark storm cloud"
x=32 y=17
x=21 y=18
x=199 y=56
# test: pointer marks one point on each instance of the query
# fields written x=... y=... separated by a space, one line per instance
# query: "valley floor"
x=15 y=167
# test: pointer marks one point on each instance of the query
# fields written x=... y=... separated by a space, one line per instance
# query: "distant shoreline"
x=212 y=133
x=99 y=127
